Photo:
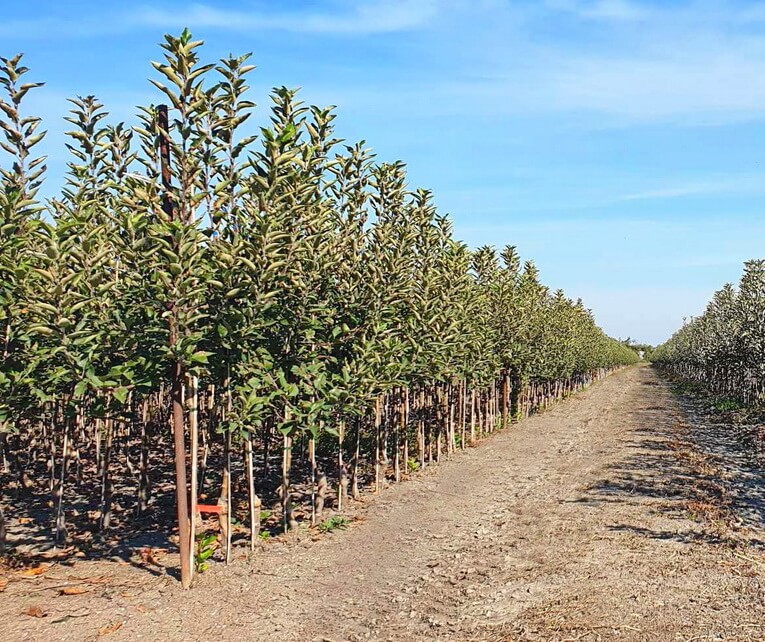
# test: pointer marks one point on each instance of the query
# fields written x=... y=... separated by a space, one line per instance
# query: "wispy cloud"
x=689 y=68
x=359 y=18
x=743 y=184
x=340 y=17
x=607 y=10
x=690 y=63
x=710 y=86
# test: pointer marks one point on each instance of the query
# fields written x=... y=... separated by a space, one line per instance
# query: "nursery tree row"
x=724 y=348
x=208 y=302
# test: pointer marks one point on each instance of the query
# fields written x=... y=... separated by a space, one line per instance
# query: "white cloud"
x=341 y=17
x=615 y=10
x=719 y=80
x=738 y=184
x=378 y=16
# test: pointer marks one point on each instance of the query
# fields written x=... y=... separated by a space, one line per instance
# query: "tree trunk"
x=194 y=434
x=288 y=517
x=59 y=489
x=378 y=447
x=106 y=484
x=342 y=482
x=2 y=531
x=144 y=487
x=181 y=487
x=225 y=497
x=177 y=373
x=355 y=493
x=253 y=499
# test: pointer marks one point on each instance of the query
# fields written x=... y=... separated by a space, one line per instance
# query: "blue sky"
x=618 y=143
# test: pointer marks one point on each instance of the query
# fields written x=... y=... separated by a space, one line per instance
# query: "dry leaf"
x=73 y=590
x=34 y=572
x=3 y=584
x=110 y=628
x=25 y=520
x=100 y=579
x=60 y=553
x=149 y=555
x=72 y=615
x=34 y=611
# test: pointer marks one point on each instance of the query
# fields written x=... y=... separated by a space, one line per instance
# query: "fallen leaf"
x=25 y=520
x=100 y=579
x=60 y=553
x=150 y=555
x=110 y=628
x=34 y=611
x=3 y=584
x=34 y=572
x=73 y=590
x=71 y=616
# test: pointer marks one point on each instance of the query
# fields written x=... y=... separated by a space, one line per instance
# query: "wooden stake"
x=194 y=431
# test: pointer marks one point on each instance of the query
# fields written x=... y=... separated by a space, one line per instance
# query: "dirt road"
x=605 y=518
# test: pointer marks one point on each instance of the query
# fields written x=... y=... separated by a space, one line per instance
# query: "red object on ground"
x=208 y=508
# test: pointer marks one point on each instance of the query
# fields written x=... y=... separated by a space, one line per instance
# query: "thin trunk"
x=463 y=414
x=406 y=430
x=143 y=468
x=194 y=434
x=253 y=499
x=288 y=516
x=181 y=487
x=321 y=485
x=378 y=446
x=106 y=484
x=205 y=434
x=400 y=429
x=177 y=374
x=355 y=493
x=421 y=429
x=225 y=502
x=472 y=415
x=505 y=398
x=342 y=483
x=59 y=491
x=312 y=459
x=452 y=425
x=267 y=448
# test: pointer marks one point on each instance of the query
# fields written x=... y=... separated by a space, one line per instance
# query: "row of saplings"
x=123 y=462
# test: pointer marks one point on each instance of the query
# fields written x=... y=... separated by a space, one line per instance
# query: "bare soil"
x=619 y=514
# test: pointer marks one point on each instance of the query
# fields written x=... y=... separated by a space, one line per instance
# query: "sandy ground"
x=619 y=514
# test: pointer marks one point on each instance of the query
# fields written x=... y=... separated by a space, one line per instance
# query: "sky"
x=617 y=143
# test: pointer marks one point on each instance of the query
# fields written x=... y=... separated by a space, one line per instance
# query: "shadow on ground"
x=689 y=466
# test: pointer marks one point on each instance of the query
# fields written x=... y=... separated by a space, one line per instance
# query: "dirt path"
x=599 y=520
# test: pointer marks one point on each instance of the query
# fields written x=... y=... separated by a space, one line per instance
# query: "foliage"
x=724 y=348
x=307 y=290
x=334 y=523
x=207 y=544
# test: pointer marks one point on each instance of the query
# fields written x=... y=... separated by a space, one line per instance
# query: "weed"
x=336 y=522
x=206 y=547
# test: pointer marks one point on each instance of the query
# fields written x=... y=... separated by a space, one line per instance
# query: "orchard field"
x=253 y=387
